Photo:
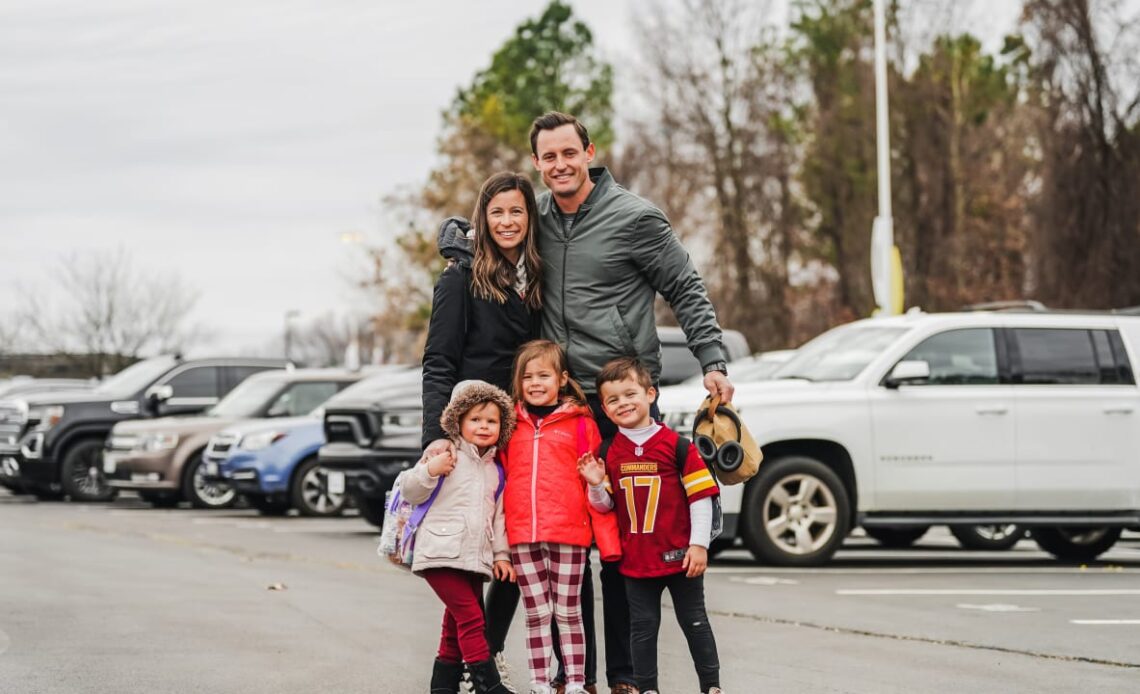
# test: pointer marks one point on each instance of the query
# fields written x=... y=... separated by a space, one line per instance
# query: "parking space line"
x=920 y=592
x=917 y=571
x=1099 y=622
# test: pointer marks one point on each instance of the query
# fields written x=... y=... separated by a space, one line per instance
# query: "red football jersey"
x=651 y=498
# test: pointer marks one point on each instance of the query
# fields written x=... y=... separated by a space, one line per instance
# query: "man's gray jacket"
x=600 y=282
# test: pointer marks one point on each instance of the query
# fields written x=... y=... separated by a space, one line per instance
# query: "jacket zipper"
x=534 y=485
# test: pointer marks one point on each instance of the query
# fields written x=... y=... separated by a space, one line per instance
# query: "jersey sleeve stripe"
x=694 y=477
x=698 y=487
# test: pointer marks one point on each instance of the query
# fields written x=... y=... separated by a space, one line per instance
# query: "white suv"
x=960 y=418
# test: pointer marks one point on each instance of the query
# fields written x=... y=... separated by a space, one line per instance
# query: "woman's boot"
x=445 y=677
x=485 y=677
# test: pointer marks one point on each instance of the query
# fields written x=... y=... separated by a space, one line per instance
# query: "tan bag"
x=725 y=443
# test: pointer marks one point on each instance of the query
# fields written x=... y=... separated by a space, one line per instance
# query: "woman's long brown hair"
x=492 y=275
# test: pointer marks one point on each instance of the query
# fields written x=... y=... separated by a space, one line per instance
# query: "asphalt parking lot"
x=121 y=597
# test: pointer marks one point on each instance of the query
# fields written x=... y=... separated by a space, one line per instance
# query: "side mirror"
x=156 y=395
x=908 y=372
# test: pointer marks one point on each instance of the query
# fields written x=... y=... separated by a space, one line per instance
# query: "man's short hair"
x=551 y=120
x=622 y=368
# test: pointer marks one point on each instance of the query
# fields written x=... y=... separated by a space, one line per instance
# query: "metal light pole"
x=886 y=265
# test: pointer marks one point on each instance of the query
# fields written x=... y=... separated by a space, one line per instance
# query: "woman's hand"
x=441 y=464
x=591 y=469
x=696 y=561
x=504 y=571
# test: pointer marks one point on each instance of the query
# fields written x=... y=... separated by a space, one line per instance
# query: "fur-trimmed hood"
x=468 y=394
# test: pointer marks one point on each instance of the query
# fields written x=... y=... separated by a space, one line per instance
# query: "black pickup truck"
x=60 y=445
x=374 y=435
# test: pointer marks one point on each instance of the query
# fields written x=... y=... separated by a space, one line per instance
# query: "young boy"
x=665 y=517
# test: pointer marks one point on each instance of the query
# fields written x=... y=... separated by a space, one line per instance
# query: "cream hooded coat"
x=464 y=528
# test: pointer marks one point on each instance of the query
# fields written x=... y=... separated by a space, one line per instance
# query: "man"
x=606 y=255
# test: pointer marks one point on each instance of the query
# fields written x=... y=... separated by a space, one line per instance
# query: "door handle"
x=1118 y=410
x=994 y=410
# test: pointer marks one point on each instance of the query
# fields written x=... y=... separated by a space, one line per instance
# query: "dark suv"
x=62 y=438
x=375 y=434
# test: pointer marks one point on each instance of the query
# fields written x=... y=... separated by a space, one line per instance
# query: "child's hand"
x=696 y=561
x=591 y=469
x=438 y=446
x=504 y=571
x=441 y=464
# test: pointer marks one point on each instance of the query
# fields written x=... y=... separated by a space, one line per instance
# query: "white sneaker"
x=504 y=669
x=716 y=690
x=540 y=689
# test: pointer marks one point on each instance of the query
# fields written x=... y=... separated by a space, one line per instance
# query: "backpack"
x=402 y=519
x=681 y=455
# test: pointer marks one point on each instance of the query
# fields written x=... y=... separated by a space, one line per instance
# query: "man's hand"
x=441 y=464
x=504 y=571
x=696 y=561
x=438 y=446
x=591 y=469
x=716 y=383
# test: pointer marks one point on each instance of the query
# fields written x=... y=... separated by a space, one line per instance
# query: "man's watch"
x=717 y=366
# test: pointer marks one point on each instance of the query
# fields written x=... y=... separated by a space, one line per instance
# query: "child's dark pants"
x=688 y=596
x=462 y=638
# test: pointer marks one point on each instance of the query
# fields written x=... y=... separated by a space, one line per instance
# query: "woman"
x=486 y=304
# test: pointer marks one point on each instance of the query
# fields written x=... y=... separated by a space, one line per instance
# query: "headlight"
x=45 y=417
x=255 y=442
x=158 y=442
x=680 y=421
x=401 y=422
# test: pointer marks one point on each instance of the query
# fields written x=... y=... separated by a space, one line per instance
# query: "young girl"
x=461 y=541
x=547 y=515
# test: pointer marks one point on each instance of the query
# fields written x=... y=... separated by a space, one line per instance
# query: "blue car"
x=273 y=463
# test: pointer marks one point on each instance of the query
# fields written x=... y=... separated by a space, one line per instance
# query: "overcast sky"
x=233 y=141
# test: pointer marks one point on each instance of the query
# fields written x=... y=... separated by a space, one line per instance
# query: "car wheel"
x=268 y=505
x=81 y=474
x=796 y=513
x=42 y=494
x=372 y=510
x=1076 y=544
x=310 y=491
x=992 y=538
x=896 y=538
x=203 y=493
x=160 y=499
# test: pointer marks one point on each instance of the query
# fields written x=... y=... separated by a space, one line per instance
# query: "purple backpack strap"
x=421 y=510
x=502 y=475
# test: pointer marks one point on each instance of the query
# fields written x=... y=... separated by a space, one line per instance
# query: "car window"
x=302 y=398
x=1123 y=365
x=958 y=357
x=195 y=382
x=238 y=374
x=677 y=364
x=840 y=354
x=1056 y=356
x=135 y=377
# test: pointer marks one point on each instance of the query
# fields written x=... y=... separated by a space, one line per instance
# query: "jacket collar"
x=470 y=449
x=566 y=410
x=603 y=181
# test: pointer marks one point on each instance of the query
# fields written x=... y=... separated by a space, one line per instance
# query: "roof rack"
x=1015 y=305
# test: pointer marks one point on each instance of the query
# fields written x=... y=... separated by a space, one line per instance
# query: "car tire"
x=268 y=505
x=988 y=538
x=201 y=493
x=1076 y=544
x=310 y=494
x=720 y=544
x=372 y=510
x=160 y=499
x=811 y=501
x=42 y=494
x=81 y=474
x=896 y=538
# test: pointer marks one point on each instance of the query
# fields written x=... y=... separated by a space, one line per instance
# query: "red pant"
x=462 y=639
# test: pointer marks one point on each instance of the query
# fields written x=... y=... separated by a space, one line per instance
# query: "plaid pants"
x=550 y=579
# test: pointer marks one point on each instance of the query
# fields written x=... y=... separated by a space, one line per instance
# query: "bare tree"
x=109 y=313
x=1084 y=65
x=718 y=148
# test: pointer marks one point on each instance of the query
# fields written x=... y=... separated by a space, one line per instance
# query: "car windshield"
x=374 y=386
x=840 y=354
x=249 y=397
x=135 y=377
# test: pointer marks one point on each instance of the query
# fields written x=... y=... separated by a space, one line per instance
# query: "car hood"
x=406 y=396
x=172 y=425
x=251 y=426
x=62 y=397
x=688 y=398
